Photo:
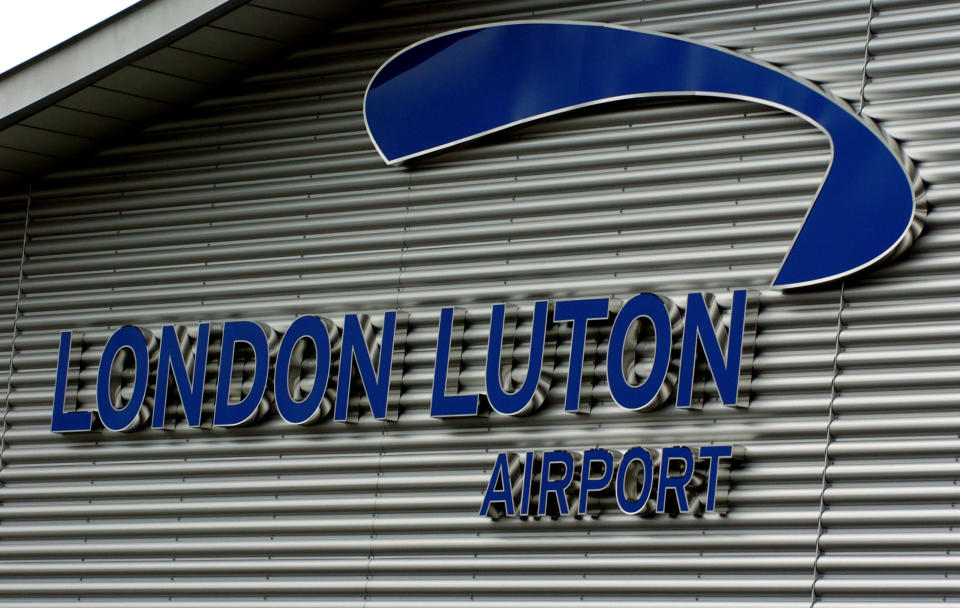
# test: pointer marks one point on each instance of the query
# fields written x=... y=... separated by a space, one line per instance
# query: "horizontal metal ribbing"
x=268 y=201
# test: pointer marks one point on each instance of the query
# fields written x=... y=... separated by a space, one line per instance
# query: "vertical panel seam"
x=403 y=237
x=16 y=319
x=866 y=59
x=826 y=446
x=836 y=352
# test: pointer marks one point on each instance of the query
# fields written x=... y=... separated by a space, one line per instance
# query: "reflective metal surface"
x=268 y=202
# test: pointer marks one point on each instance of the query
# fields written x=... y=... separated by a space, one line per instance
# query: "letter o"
x=629 y=501
x=126 y=418
x=308 y=410
x=626 y=395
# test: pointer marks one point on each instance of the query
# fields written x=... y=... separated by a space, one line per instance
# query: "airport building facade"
x=395 y=425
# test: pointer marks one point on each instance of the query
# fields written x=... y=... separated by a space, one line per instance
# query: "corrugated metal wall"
x=11 y=253
x=269 y=202
x=891 y=485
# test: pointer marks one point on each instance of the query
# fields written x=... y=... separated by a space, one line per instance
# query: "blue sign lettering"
x=251 y=354
x=645 y=481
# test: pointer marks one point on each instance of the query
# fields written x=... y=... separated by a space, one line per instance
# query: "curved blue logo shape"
x=467 y=83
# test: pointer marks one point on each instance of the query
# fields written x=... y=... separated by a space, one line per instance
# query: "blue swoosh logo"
x=464 y=84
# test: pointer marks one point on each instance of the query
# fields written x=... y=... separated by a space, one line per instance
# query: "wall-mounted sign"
x=642 y=481
x=261 y=367
x=470 y=82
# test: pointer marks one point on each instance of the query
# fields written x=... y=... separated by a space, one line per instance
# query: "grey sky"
x=29 y=27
